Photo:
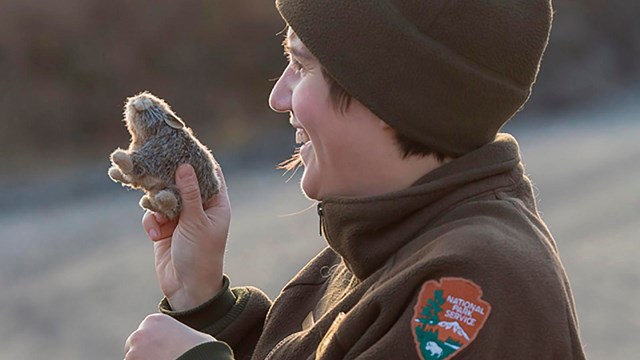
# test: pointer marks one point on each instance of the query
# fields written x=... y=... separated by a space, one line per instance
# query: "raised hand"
x=189 y=251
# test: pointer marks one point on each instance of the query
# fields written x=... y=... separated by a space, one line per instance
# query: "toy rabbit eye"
x=174 y=121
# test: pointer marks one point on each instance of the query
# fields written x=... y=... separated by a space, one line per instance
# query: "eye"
x=296 y=65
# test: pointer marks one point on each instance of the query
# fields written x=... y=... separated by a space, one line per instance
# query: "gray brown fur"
x=160 y=142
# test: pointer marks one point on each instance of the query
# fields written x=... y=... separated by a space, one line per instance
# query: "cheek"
x=303 y=107
x=309 y=99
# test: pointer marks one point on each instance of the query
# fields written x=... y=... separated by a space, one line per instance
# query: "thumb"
x=187 y=183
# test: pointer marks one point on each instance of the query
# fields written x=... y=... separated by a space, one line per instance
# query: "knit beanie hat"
x=445 y=73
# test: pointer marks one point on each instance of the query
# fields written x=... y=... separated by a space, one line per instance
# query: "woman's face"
x=339 y=151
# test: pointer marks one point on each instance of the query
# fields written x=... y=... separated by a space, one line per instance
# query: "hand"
x=162 y=337
x=189 y=252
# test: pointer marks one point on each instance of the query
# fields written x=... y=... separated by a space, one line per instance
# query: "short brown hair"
x=341 y=100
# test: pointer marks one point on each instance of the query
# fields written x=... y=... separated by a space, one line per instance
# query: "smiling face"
x=343 y=153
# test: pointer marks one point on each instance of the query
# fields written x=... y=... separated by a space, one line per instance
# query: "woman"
x=436 y=249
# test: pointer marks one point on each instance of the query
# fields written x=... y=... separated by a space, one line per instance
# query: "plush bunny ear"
x=174 y=121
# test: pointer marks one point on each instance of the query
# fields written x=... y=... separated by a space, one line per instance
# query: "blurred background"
x=75 y=266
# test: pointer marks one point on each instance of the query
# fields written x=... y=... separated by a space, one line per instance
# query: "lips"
x=303 y=153
x=302 y=136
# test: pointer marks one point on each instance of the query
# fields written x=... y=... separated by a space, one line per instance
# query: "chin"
x=309 y=186
x=310 y=192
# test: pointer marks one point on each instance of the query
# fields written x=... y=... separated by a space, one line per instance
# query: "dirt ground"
x=78 y=277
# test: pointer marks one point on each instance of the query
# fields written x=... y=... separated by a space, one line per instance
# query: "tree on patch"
x=430 y=346
x=429 y=313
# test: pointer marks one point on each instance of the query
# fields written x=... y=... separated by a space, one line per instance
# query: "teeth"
x=302 y=136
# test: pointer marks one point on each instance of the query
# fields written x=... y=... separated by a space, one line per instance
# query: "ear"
x=174 y=121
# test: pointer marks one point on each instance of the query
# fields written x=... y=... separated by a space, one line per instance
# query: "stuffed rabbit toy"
x=160 y=142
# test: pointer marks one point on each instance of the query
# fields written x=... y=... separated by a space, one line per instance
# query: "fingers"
x=162 y=337
x=160 y=219
x=139 y=337
x=187 y=183
x=157 y=226
x=127 y=345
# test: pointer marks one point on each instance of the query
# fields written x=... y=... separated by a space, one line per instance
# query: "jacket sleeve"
x=234 y=316
x=212 y=350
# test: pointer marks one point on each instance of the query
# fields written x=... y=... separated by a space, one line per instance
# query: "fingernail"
x=153 y=233
x=184 y=172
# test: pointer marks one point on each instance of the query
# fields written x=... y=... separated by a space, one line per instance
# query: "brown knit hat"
x=445 y=73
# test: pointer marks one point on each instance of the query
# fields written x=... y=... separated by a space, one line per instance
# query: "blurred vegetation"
x=67 y=66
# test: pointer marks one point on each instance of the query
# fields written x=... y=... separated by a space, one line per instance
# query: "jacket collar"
x=366 y=232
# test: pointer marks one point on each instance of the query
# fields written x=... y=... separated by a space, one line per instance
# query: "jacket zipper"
x=320 y=216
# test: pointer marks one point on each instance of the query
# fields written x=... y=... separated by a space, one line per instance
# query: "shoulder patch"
x=447 y=317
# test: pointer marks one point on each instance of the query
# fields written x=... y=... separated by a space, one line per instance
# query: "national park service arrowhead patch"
x=447 y=317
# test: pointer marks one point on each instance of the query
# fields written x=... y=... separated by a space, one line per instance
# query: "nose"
x=280 y=98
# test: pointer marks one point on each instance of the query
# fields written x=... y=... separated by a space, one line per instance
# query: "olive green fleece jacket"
x=459 y=265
